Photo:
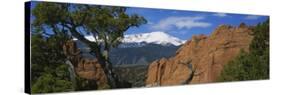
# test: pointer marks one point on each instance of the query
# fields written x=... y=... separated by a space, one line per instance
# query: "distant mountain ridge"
x=134 y=53
x=141 y=55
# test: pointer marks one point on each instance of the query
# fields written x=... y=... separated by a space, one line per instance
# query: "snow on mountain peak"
x=157 y=37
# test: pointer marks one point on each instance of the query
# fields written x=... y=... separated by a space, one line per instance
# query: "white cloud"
x=181 y=23
x=252 y=17
x=220 y=14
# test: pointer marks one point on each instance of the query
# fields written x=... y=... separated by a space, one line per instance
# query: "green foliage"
x=261 y=38
x=48 y=71
x=253 y=65
x=246 y=67
x=45 y=54
x=52 y=83
x=106 y=24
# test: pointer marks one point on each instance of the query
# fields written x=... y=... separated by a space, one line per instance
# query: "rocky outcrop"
x=201 y=59
x=87 y=68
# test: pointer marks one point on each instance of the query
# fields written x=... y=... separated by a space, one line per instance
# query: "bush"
x=48 y=83
x=246 y=67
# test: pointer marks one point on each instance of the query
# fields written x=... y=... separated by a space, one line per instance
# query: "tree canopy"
x=49 y=73
x=106 y=24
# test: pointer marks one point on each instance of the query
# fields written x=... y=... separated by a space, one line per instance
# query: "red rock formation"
x=85 y=68
x=201 y=59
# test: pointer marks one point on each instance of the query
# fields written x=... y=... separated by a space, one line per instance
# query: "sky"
x=183 y=24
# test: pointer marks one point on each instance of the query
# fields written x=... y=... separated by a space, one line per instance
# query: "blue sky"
x=184 y=24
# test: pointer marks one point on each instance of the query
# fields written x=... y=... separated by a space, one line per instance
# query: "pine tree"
x=106 y=24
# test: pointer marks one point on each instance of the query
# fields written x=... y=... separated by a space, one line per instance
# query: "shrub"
x=48 y=83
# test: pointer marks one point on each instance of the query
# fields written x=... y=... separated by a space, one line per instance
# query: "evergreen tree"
x=106 y=24
x=49 y=73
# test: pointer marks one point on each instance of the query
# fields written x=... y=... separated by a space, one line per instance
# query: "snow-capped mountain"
x=139 y=49
x=141 y=39
x=157 y=37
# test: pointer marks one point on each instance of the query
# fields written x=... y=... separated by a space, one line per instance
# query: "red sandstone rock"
x=201 y=59
x=85 y=68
